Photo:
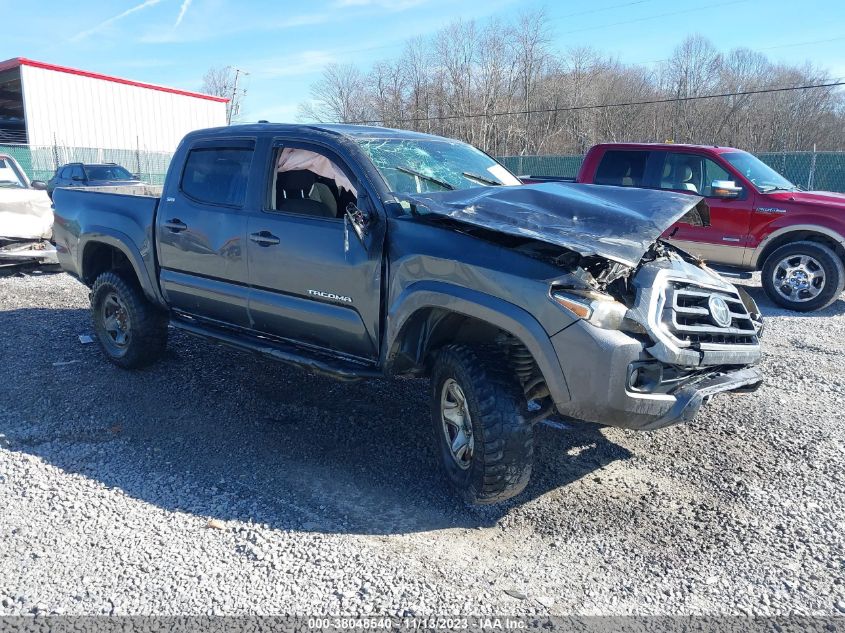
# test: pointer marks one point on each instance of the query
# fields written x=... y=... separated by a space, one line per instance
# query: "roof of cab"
x=715 y=149
x=349 y=131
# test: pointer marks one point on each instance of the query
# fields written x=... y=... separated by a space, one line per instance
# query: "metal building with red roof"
x=43 y=104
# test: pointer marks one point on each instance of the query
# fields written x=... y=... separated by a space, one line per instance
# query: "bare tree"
x=340 y=96
x=501 y=87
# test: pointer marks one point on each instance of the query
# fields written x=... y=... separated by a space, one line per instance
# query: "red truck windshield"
x=763 y=177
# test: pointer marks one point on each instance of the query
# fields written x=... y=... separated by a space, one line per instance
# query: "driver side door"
x=312 y=280
x=725 y=240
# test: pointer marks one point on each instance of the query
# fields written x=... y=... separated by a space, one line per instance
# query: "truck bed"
x=122 y=216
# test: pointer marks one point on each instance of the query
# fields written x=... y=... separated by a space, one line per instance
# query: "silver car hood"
x=618 y=223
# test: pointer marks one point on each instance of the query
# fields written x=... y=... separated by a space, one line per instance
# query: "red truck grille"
x=687 y=317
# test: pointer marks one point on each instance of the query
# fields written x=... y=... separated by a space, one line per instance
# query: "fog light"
x=644 y=376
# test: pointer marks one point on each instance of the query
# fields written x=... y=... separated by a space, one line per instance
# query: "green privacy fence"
x=41 y=162
x=822 y=171
x=566 y=166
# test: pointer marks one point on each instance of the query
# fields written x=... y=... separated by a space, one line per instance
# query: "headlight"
x=598 y=309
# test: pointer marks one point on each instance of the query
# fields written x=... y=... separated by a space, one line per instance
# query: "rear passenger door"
x=314 y=282
x=201 y=229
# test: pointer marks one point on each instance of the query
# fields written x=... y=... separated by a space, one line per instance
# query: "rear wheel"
x=484 y=443
x=803 y=276
x=131 y=330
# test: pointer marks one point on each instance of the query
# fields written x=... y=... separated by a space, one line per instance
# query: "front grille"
x=686 y=316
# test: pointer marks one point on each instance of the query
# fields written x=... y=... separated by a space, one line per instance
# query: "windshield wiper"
x=437 y=182
x=481 y=179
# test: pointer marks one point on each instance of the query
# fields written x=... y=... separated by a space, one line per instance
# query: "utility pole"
x=234 y=102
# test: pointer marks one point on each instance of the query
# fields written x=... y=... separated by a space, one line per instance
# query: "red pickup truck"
x=759 y=220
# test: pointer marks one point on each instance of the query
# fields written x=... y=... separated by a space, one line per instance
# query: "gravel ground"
x=218 y=483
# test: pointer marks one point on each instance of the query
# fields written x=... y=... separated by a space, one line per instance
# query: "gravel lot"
x=218 y=483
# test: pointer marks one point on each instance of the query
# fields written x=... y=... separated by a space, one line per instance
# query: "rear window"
x=217 y=175
x=622 y=168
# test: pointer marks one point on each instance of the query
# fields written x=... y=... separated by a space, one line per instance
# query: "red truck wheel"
x=803 y=276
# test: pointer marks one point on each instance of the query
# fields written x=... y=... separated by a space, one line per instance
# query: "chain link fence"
x=41 y=162
x=820 y=171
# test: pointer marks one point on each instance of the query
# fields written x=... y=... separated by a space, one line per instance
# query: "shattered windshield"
x=763 y=177
x=424 y=165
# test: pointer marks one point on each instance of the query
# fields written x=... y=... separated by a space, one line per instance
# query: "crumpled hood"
x=25 y=214
x=619 y=223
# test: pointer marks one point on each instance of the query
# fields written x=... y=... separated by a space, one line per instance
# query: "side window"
x=65 y=173
x=713 y=171
x=688 y=172
x=622 y=168
x=310 y=182
x=217 y=175
x=77 y=172
x=683 y=172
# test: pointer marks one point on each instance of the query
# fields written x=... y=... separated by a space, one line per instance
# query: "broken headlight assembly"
x=597 y=308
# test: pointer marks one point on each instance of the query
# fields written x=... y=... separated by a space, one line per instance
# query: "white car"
x=26 y=215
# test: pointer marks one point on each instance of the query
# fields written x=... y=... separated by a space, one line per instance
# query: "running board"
x=731 y=272
x=338 y=369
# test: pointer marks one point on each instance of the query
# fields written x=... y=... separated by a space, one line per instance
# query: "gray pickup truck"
x=359 y=252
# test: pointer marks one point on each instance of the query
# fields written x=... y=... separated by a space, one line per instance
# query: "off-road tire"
x=834 y=272
x=504 y=442
x=147 y=324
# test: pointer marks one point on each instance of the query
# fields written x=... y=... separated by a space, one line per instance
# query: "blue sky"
x=284 y=45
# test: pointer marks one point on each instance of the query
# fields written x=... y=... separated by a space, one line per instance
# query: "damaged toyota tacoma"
x=360 y=252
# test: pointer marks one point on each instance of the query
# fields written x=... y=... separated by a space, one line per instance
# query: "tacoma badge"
x=329 y=295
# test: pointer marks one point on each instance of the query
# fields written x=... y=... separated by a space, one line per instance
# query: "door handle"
x=264 y=238
x=175 y=225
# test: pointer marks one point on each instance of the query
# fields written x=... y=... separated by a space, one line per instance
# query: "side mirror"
x=136 y=176
x=40 y=185
x=725 y=189
x=77 y=178
x=358 y=219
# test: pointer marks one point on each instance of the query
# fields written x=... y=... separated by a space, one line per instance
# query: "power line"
x=600 y=9
x=477 y=115
x=831 y=39
x=765 y=48
x=654 y=17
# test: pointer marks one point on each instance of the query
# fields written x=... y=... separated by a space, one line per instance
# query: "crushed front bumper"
x=689 y=398
x=597 y=365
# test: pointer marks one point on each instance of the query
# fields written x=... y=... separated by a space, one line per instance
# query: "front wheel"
x=131 y=330
x=484 y=443
x=803 y=276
